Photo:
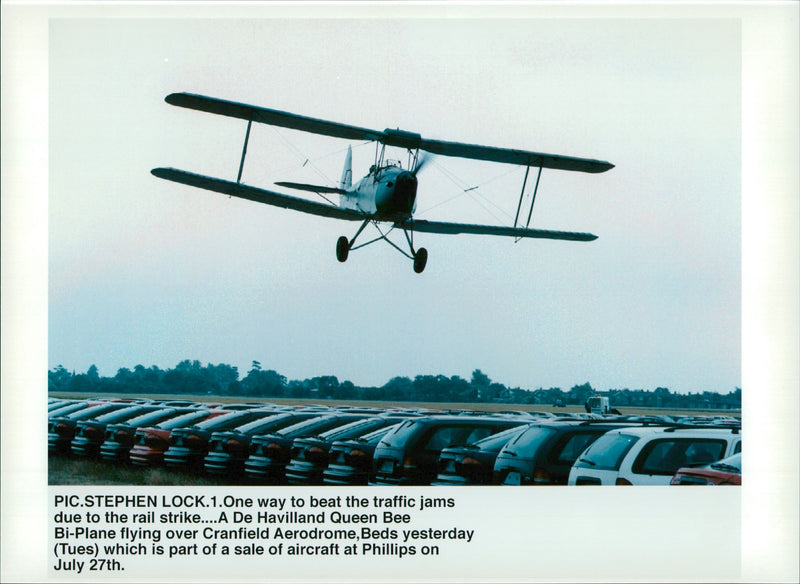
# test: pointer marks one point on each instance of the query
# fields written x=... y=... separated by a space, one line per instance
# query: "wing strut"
x=244 y=151
x=533 y=198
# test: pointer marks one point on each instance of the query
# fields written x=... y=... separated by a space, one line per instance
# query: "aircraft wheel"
x=342 y=249
x=420 y=259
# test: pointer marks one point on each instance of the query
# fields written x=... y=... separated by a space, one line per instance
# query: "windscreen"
x=497 y=441
x=570 y=448
x=530 y=440
x=607 y=452
x=183 y=420
x=353 y=429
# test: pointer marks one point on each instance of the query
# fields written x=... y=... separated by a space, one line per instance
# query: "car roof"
x=690 y=431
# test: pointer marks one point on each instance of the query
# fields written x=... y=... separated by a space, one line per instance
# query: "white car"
x=651 y=455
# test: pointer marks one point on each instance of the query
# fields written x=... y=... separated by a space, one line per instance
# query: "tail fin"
x=347 y=172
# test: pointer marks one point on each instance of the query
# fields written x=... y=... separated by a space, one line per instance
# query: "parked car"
x=151 y=443
x=409 y=455
x=56 y=403
x=350 y=461
x=530 y=414
x=727 y=471
x=652 y=455
x=61 y=429
x=544 y=453
x=473 y=464
x=119 y=436
x=270 y=453
x=309 y=456
x=247 y=406
x=188 y=447
x=180 y=403
x=89 y=434
x=69 y=407
x=228 y=450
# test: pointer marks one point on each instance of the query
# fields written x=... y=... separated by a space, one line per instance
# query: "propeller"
x=423 y=158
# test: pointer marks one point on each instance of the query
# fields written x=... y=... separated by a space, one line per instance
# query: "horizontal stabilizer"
x=241 y=191
x=457 y=228
x=311 y=188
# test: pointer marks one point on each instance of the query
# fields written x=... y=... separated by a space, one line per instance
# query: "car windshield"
x=119 y=415
x=225 y=421
x=497 y=441
x=310 y=427
x=375 y=436
x=271 y=423
x=401 y=433
x=730 y=464
x=607 y=452
x=353 y=429
x=94 y=411
x=182 y=420
x=456 y=435
x=529 y=440
x=150 y=417
x=569 y=449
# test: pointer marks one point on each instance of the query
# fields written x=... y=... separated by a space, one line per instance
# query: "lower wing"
x=241 y=191
x=456 y=228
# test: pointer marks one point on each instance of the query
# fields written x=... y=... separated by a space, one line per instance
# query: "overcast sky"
x=143 y=271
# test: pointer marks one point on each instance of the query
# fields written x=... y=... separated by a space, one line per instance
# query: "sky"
x=143 y=271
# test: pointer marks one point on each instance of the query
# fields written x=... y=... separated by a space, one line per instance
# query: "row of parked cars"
x=261 y=443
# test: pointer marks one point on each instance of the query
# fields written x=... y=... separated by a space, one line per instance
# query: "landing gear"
x=342 y=248
x=420 y=259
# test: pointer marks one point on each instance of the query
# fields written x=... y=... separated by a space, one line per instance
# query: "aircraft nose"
x=406 y=191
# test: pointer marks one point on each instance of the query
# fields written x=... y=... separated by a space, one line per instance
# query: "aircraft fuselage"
x=388 y=192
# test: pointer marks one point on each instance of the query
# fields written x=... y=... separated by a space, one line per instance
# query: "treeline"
x=191 y=377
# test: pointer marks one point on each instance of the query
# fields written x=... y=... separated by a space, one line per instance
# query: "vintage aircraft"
x=388 y=193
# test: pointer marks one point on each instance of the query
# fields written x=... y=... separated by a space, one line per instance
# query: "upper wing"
x=271 y=116
x=255 y=194
x=456 y=228
x=513 y=156
x=388 y=136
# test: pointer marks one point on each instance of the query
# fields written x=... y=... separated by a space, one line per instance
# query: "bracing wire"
x=473 y=191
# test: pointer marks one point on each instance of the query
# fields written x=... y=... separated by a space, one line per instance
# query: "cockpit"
x=374 y=169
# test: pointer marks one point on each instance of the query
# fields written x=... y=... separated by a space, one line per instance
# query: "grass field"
x=70 y=471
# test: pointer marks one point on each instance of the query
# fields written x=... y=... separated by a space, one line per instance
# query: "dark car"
x=544 y=453
x=119 y=436
x=350 y=461
x=64 y=409
x=55 y=404
x=473 y=464
x=270 y=453
x=727 y=471
x=189 y=446
x=409 y=455
x=61 y=429
x=151 y=443
x=247 y=406
x=180 y=403
x=228 y=450
x=310 y=455
x=89 y=434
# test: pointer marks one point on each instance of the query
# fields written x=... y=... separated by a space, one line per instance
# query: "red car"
x=150 y=443
x=727 y=471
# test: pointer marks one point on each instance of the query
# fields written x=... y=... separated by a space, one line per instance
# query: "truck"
x=597 y=405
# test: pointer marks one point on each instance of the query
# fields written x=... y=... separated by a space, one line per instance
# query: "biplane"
x=388 y=193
